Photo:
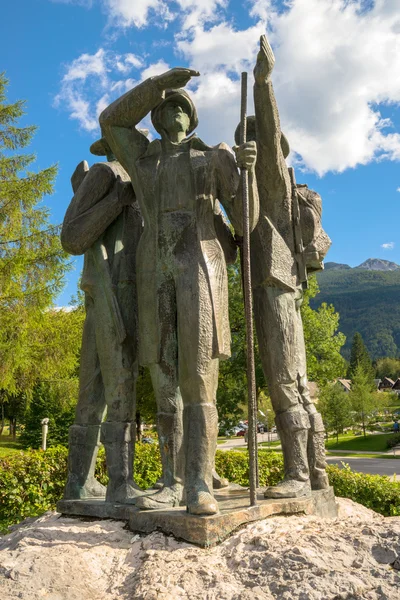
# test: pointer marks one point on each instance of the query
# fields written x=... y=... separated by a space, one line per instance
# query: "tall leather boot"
x=83 y=447
x=200 y=429
x=316 y=453
x=118 y=440
x=170 y=433
x=293 y=431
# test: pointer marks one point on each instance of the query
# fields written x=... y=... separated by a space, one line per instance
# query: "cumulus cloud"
x=398 y=189
x=92 y=81
x=125 y=13
x=334 y=66
x=334 y=74
x=388 y=246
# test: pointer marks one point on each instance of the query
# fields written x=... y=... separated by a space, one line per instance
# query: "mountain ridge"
x=368 y=301
x=371 y=264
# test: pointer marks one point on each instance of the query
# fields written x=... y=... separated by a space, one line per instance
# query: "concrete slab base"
x=204 y=531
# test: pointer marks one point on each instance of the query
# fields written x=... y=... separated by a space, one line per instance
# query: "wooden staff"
x=248 y=307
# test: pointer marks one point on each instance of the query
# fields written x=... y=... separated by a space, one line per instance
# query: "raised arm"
x=272 y=171
x=119 y=120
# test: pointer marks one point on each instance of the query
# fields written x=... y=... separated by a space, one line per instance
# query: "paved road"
x=238 y=441
x=373 y=466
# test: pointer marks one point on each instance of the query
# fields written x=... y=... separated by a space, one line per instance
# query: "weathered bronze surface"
x=234 y=512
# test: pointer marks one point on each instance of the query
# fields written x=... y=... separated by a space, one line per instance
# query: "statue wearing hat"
x=103 y=222
x=287 y=242
x=181 y=273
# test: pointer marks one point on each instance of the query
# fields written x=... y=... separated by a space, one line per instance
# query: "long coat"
x=215 y=179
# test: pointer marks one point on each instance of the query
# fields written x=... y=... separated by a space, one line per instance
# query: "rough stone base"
x=204 y=531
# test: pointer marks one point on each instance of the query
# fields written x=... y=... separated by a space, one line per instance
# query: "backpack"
x=311 y=240
x=316 y=241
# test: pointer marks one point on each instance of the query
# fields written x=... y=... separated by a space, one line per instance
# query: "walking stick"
x=248 y=307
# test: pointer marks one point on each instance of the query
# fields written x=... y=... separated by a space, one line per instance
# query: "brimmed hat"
x=182 y=97
x=102 y=148
x=251 y=132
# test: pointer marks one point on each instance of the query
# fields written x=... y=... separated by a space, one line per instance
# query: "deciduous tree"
x=335 y=407
x=363 y=400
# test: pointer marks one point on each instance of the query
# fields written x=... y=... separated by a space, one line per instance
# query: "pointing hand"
x=265 y=61
x=175 y=78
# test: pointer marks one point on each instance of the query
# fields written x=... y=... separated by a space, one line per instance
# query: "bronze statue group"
x=156 y=245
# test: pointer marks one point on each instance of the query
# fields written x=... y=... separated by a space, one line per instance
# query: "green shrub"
x=393 y=441
x=235 y=467
x=32 y=482
x=377 y=492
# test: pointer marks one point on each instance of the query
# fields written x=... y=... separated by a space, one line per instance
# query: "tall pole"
x=248 y=306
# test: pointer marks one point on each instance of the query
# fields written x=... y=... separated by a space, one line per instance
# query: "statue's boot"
x=201 y=422
x=316 y=453
x=159 y=484
x=293 y=431
x=170 y=433
x=118 y=439
x=218 y=481
x=83 y=447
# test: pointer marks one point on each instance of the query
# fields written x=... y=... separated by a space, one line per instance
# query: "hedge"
x=31 y=482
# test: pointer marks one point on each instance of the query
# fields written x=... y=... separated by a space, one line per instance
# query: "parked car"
x=147 y=440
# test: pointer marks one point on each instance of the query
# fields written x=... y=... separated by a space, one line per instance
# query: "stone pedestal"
x=204 y=531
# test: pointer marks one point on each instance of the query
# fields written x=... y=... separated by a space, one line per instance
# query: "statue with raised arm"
x=104 y=223
x=179 y=182
x=279 y=263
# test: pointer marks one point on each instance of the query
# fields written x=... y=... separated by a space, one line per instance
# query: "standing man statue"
x=181 y=272
x=277 y=293
x=103 y=222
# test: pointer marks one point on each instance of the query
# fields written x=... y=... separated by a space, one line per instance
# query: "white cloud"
x=196 y=12
x=125 y=13
x=125 y=63
x=388 y=246
x=88 y=85
x=154 y=69
x=86 y=65
x=334 y=73
x=398 y=189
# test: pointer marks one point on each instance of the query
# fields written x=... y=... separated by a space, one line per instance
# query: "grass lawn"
x=7 y=446
x=272 y=444
x=370 y=443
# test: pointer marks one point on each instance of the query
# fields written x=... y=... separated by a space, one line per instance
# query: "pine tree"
x=359 y=357
x=32 y=262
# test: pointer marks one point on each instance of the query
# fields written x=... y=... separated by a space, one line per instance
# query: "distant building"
x=345 y=384
x=396 y=386
x=386 y=384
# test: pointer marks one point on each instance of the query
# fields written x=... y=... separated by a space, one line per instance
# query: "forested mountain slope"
x=368 y=301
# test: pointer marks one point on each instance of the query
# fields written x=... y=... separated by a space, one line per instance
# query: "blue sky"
x=336 y=80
